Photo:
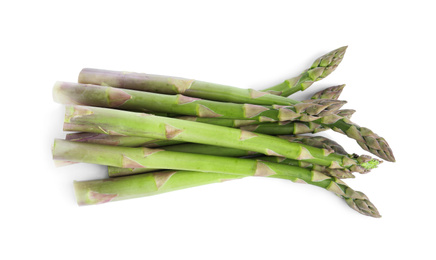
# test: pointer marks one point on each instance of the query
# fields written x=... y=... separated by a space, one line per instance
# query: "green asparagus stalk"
x=101 y=154
x=337 y=173
x=221 y=121
x=128 y=141
x=285 y=128
x=365 y=137
x=186 y=148
x=329 y=93
x=101 y=96
x=115 y=189
x=315 y=141
x=279 y=128
x=118 y=122
x=271 y=128
x=321 y=68
x=174 y=85
x=133 y=141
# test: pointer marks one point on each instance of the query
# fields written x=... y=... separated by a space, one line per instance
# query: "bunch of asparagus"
x=157 y=134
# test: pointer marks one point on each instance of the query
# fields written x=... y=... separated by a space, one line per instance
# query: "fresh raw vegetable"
x=320 y=111
x=315 y=141
x=118 y=122
x=127 y=187
x=321 y=68
x=158 y=134
x=101 y=96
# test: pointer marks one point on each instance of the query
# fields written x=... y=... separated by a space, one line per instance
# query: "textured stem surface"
x=117 y=122
x=101 y=96
x=114 y=189
x=315 y=141
x=174 y=85
x=118 y=140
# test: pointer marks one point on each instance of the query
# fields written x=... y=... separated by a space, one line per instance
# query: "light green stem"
x=115 y=189
x=117 y=122
x=174 y=85
x=101 y=96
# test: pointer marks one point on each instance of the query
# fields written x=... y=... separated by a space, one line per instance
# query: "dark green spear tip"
x=363 y=205
x=330 y=61
x=347 y=113
x=329 y=93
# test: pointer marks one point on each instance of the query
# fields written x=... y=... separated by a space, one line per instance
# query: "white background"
x=389 y=72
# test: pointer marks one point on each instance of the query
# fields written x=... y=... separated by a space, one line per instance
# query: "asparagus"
x=101 y=96
x=127 y=187
x=292 y=127
x=221 y=121
x=117 y=122
x=321 y=68
x=329 y=93
x=128 y=141
x=133 y=141
x=337 y=173
x=187 y=148
x=174 y=85
x=365 y=137
x=316 y=141
x=317 y=111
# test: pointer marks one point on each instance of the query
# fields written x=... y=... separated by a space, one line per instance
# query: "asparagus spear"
x=117 y=122
x=133 y=141
x=321 y=68
x=174 y=85
x=324 y=65
x=329 y=93
x=127 y=187
x=316 y=141
x=292 y=127
x=365 y=137
x=128 y=141
x=221 y=121
x=101 y=96
x=316 y=111
x=337 y=173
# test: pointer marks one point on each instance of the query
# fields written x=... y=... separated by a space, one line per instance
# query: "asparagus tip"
x=363 y=205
